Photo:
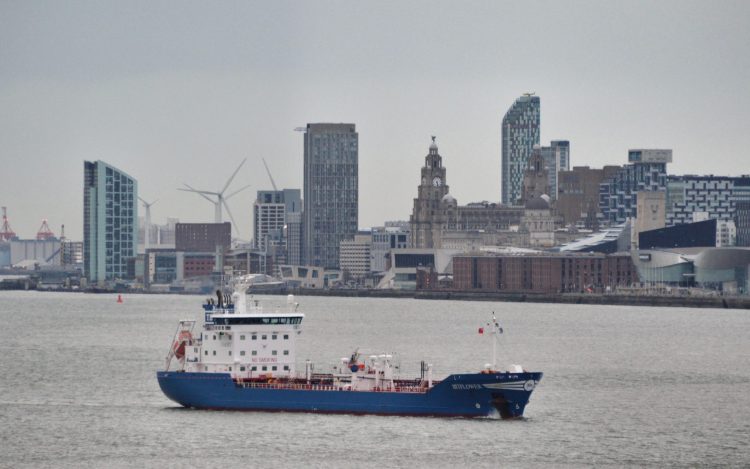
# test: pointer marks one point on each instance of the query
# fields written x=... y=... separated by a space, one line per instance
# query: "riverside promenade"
x=732 y=302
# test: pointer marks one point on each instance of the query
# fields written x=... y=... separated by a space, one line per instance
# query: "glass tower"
x=519 y=135
x=556 y=159
x=331 y=191
x=110 y=221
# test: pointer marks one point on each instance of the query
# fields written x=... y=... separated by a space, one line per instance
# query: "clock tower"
x=428 y=216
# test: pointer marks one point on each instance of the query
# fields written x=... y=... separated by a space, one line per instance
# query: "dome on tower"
x=448 y=199
x=433 y=146
x=537 y=203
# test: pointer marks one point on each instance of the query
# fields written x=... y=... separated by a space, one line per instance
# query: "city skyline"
x=178 y=96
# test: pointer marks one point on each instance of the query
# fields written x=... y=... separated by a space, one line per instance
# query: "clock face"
x=436 y=181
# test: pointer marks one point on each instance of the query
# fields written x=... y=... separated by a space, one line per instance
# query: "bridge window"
x=255 y=368
x=242 y=368
x=255 y=352
x=286 y=352
x=264 y=337
x=214 y=352
x=286 y=336
x=242 y=352
x=274 y=368
x=274 y=336
x=265 y=368
x=274 y=352
x=254 y=337
x=286 y=367
x=242 y=337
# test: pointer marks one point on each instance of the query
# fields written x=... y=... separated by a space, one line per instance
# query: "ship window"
x=255 y=352
x=274 y=352
x=255 y=368
x=286 y=336
x=242 y=352
x=286 y=352
x=274 y=368
x=265 y=368
x=264 y=337
x=286 y=367
x=274 y=337
x=242 y=337
x=254 y=337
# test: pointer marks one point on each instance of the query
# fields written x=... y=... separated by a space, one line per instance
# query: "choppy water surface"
x=622 y=386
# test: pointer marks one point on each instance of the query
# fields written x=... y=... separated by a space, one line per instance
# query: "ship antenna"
x=496 y=331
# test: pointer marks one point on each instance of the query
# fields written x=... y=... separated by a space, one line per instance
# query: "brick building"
x=543 y=272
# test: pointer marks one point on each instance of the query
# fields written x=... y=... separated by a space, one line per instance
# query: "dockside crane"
x=6 y=232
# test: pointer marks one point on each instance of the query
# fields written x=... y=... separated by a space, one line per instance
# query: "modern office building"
x=270 y=213
x=718 y=196
x=520 y=132
x=742 y=222
x=294 y=236
x=331 y=191
x=556 y=158
x=354 y=257
x=646 y=171
x=394 y=235
x=110 y=221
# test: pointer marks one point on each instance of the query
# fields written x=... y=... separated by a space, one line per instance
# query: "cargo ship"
x=243 y=358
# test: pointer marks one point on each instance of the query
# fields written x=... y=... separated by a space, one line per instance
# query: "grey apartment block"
x=331 y=191
x=110 y=221
x=270 y=213
x=520 y=132
x=646 y=171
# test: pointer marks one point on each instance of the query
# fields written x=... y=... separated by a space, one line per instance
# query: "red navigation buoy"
x=119 y=298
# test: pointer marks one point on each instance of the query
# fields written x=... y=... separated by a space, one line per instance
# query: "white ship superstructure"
x=240 y=337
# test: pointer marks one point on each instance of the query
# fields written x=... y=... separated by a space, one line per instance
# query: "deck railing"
x=328 y=387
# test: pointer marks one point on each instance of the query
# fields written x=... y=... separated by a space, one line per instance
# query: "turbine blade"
x=200 y=193
x=234 y=223
x=237 y=191
x=233 y=175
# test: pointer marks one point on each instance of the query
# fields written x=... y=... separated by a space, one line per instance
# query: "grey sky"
x=174 y=92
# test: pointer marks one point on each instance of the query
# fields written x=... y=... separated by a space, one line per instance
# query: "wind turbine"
x=147 y=224
x=221 y=199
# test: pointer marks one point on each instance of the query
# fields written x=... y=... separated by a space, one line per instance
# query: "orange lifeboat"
x=183 y=339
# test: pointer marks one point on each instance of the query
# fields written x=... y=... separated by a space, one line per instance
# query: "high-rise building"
x=556 y=158
x=646 y=171
x=520 y=133
x=331 y=191
x=110 y=221
x=270 y=213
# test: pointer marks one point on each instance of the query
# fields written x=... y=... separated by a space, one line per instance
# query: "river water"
x=622 y=386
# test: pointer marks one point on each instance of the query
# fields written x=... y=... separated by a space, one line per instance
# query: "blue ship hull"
x=461 y=395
